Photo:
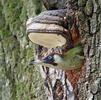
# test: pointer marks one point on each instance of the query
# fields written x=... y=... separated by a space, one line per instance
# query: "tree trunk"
x=16 y=51
x=83 y=84
x=18 y=80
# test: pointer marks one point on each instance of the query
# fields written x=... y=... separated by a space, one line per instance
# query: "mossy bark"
x=90 y=29
x=18 y=80
x=86 y=83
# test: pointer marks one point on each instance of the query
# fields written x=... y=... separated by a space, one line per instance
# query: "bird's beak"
x=36 y=62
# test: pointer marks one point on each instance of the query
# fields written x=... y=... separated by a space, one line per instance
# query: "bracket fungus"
x=55 y=29
x=50 y=29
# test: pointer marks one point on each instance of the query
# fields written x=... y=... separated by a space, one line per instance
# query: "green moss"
x=10 y=17
x=29 y=53
x=81 y=3
x=38 y=5
x=17 y=52
x=81 y=15
x=73 y=1
x=89 y=8
x=23 y=14
x=1 y=17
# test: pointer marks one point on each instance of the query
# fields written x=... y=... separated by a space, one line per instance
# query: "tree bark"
x=18 y=80
x=23 y=81
x=85 y=84
x=54 y=4
x=90 y=30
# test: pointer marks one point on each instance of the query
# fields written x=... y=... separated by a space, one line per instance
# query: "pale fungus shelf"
x=50 y=39
x=52 y=29
x=49 y=29
x=47 y=40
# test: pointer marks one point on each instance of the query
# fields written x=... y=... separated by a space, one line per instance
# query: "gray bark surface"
x=24 y=82
x=18 y=80
x=87 y=85
x=54 y=4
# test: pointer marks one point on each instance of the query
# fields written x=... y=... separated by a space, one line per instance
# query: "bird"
x=72 y=59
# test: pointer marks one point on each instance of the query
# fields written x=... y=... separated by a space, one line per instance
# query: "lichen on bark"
x=90 y=30
x=19 y=81
x=89 y=24
x=22 y=80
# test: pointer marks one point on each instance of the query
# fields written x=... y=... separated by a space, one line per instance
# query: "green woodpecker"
x=73 y=59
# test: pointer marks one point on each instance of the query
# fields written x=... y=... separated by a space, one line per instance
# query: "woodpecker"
x=73 y=59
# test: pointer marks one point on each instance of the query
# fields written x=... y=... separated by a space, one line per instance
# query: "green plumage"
x=74 y=58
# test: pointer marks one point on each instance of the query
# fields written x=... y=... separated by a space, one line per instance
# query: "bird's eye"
x=49 y=57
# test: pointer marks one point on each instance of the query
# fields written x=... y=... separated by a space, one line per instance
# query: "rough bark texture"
x=90 y=29
x=54 y=4
x=61 y=85
x=18 y=80
x=85 y=84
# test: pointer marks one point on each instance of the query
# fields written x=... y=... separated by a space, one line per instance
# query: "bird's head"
x=53 y=58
